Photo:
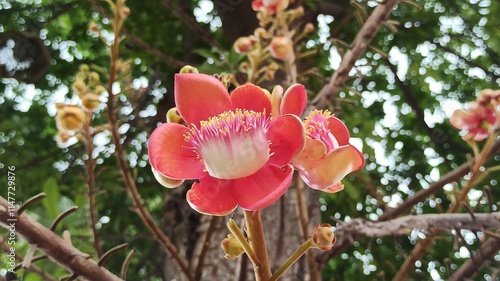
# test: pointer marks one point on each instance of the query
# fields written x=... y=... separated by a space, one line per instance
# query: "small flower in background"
x=270 y=6
x=281 y=48
x=481 y=118
x=243 y=44
x=69 y=117
x=327 y=157
x=239 y=154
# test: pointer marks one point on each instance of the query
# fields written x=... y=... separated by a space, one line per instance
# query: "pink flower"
x=327 y=157
x=478 y=120
x=270 y=6
x=294 y=100
x=282 y=48
x=231 y=145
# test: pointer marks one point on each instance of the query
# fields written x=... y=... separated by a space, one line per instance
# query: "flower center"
x=233 y=144
x=316 y=125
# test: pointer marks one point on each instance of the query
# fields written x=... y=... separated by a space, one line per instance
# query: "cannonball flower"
x=238 y=154
x=293 y=101
x=327 y=157
x=243 y=44
x=69 y=117
x=478 y=120
x=270 y=6
x=489 y=97
x=282 y=48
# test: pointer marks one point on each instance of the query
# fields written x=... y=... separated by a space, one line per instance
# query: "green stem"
x=257 y=241
x=238 y=234
x=292 y=259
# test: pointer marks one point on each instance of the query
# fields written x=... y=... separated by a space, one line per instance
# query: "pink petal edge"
x=199 y=97
x=339 y=130
x=251 y=97
x=211 y=196
x=263 y=188
x=168 y=156
x=333 y=167
x=287 y=137
x=294 y=100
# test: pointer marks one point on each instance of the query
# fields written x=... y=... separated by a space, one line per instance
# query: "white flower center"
x=232 y=145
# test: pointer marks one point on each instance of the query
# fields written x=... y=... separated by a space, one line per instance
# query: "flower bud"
x=125 y=12
x=281 y=48
x=93 y=27
x=84 y=68
x=189 y=69
x=323 y=237
x=242 y=45
x=62 y=137
x=99 y=89
x=231 y=247
x=70 y=118
x=79 y=86
x=90 y=101
x=260 y=32
x=94 y=76
x=173 y=116
x=309 y=28
x=166 y=182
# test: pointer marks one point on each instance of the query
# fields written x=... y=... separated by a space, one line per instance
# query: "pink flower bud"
x=243 y=44
x=323 y=237
x=231 y=247
x=282 y=48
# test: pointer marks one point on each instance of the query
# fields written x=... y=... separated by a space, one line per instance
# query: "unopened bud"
x=94 y=77
x=63 y=137
x=189 y=69
x=242 y=45
x=84 y=68
x=93 y=27
x=260 y=32
x=231 y=247
x=323 y=237
x=90 y=101
x=99 y=89
x=309 y=28
x=78 y=86
x=281 y=48
x=173 y=116
x=70 y=118
x=125 y=12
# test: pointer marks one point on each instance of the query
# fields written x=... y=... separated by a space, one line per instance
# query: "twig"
x=303 y=216
x=62 y=216
x=485 y=253
x=126 y=263
x=144 y=214
x=361 y=42
x=30 y=202
x=206 y=245
x=191 y=23
x=111 y=252
x=55 y=247
x=90 y=165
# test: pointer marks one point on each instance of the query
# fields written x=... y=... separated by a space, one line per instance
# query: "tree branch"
x=357 y=48
x=54 y=246
x=404 y=225
x=485 y=253
x=191 y=23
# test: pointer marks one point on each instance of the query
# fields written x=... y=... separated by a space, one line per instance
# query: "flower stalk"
x=292 y=259
x=257 y=241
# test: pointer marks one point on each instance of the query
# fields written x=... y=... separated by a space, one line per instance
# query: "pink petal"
x=462 y=120
x=263 y=188
x=287 y=137
x=334 y=188
x=313 y=152
x=211 y=196
x=200 y=96
x=276 y=98
x=251 y=97
x=338 y=130
x=165 y=181
x=294 y=100
x=333 y=168
x=168 y=156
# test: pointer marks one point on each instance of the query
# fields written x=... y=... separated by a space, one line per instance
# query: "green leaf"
x=51 y=188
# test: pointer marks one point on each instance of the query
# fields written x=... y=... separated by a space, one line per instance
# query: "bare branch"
x=485 y=253
x=55 y=247
x=361 y=42
x=191 y=23
x=432 y=222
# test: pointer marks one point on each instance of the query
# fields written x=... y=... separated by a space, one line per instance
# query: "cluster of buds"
x=88 y=87
x=481 y=119
x=272 y=39
x=70 y=118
